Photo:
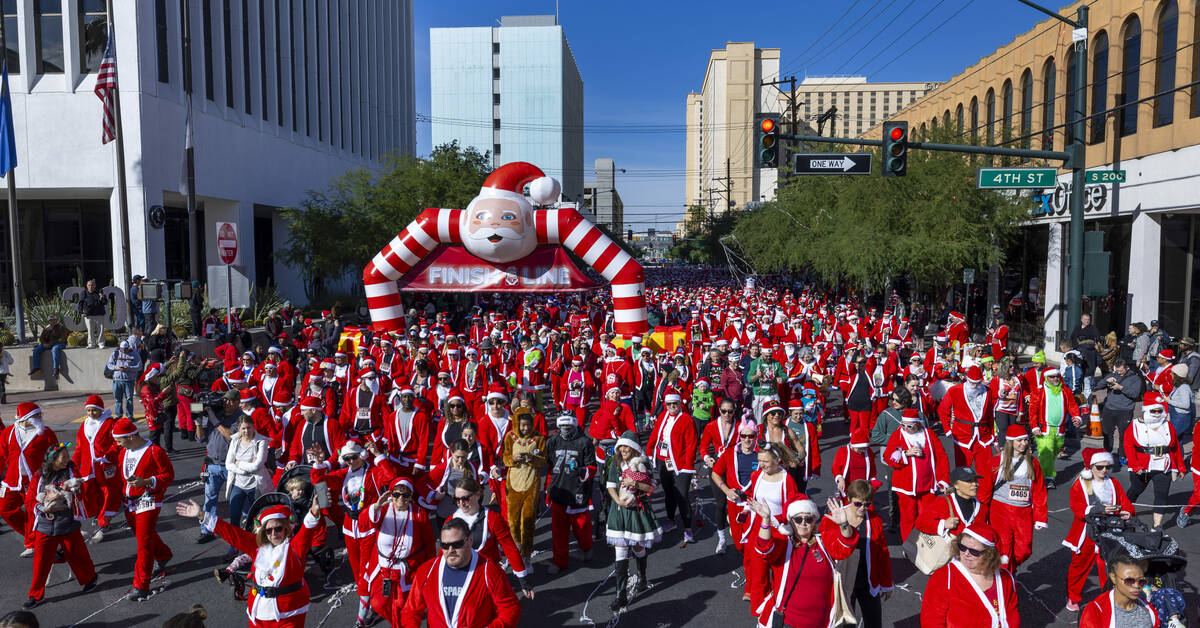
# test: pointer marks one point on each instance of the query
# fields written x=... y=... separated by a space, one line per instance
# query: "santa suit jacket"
x=952 y=600
x=681 y=451
x=407 y=442
x=1099 y=612
x=1139 y=453
x=372 y=519
x=841 y=464
x=377 y=476
x=904 y=479
x=777 y=551
x=1038 y=406
x=153 y=465
x=20 y=463
x=585 y=392
x=963 y=425
x=428 y=488
x=375 y=410
x=935 y=511
x=486 y=600
x=879 y=560
x=713 y=442
x=490 y=535
x=991 y=469
x=610 y=421
x=1080 y=503
x=97 y=456
x=281 y=566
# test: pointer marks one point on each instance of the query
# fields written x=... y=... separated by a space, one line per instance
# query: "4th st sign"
x=832 y=163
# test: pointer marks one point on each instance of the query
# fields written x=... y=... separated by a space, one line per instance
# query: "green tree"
x=336 y=231
x=866 y=230
x=702 y=242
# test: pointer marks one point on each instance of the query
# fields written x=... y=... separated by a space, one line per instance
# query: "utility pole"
x=828 y=115
x=189 y=152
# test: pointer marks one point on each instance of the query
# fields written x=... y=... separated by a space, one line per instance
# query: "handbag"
x=842 y=615
x=929 y=552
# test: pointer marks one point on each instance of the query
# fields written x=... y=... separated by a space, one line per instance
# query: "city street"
x=691 y=586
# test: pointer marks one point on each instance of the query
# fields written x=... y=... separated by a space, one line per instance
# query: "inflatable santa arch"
x=501 y=226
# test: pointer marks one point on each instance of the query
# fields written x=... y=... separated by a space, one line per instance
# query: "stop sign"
x=227 y=241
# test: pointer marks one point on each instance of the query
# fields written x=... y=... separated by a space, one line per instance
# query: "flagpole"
x=14 y=238
x=122 y=200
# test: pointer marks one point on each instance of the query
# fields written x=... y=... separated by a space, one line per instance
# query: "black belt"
x=278 y=591
x=972 y=423
x=1156 y=450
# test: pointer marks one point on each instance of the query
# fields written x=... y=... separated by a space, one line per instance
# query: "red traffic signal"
x=768 y=125
x=897 y=133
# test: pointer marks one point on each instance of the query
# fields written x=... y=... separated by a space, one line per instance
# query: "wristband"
x=765 y=526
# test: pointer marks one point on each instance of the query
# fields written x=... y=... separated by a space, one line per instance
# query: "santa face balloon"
x=499 y=229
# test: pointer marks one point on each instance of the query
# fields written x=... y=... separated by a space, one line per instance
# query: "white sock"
x=364 y=605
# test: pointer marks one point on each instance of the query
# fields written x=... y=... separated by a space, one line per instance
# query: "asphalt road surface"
x=691 y=585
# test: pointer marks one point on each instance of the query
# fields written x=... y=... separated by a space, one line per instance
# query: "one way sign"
x=832 y=163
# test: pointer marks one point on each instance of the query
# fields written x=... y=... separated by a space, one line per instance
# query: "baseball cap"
x=963 y=474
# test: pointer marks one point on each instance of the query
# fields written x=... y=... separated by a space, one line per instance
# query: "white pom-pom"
x=544 y=190
x=1004 y=560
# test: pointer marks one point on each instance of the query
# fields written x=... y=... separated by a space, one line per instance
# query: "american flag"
x=106 y=84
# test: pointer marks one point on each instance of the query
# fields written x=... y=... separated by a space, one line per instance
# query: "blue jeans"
x=1182 y=421
x=213 y=487
x=240 y=500
x=123 y=402
x=56 y=352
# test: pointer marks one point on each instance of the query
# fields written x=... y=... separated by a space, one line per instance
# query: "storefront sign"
x=453 y=269
x=1058 y=201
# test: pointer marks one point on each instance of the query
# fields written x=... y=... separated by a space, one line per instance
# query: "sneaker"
x=137 y=595
x=553 y=569
x=669 y=525
x=1072 y=606
x=91 y=586
x=1183 y=518
x=161 y=565
x=720 y=545
x=687 y=537
x=28 y=552
x=30 y=603
x=205 y=537
x=1051 y=484
x=99 y=535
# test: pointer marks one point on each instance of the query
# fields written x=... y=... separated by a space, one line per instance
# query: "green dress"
x=629 y=527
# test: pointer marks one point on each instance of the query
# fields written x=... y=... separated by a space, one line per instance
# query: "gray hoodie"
x=128 y=359
x=1130 y=394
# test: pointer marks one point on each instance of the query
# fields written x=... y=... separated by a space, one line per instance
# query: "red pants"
x=580 y=413
x=388 y=607
x=1194 y=500
x=966 y=457
x=1014 y=524
x=75 y=550
x=1081 y=565
x=562 y=526
x=149 y=546
x=12 y=510
x=758 y=575
x=183 y=416
x=500 y=491
x=295 y=621
x=862 y=419
x=110 y=495
x=908 y=512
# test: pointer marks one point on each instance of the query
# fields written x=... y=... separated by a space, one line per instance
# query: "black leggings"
x=1112 y=425
x=870 y=607
x=719 y=509
x=1160 y=480
x=676 y=493
x=167 y=420
x=1003 y=420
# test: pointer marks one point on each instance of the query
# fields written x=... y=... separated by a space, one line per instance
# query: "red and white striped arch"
x=565 y=227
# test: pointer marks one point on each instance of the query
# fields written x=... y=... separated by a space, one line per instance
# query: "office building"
x=601 y=197
x=860 y=105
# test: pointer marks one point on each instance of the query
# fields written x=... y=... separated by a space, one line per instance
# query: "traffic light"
x=895 y=149
x=629 y=235
x=767 y=129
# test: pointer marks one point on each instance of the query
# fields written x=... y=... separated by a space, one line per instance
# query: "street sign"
x=832 y=163
x=1033 y=178
x=968 y=275
x=227 y=242
x=224 y=280
x=1104 y=176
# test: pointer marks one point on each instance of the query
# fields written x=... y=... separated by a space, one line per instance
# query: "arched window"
x=1164 y=71
x=946 y=119
x=1131 y=58
x=990 y=107
x=1099 y=86
x=1006 y=108
x=974 y=117
x=1049 y=74
x=958 y=116
x=1026 y=107
x=923 y=132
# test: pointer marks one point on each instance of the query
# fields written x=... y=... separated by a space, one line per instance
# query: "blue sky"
x=638 y=60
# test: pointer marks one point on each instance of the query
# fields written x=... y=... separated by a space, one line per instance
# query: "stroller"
x=1115 y=536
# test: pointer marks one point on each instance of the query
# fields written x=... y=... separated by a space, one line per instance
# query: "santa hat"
x=155 y=368
x=983 y=533
x=496 y=391
x=351 y=448
x=406 y=390
x=802 y=506
x=672 y=398
x=455 y=395
x=941 y=338
x=94 y=401
x=957 y=315
x=795 y=402
x=1166 y=354
x=27 y=410
x=509 y=180
x=860 y=438
x=910 y=415
x=975 y=374
x=281 y=397
x=1015 y=432
x=1050 y=373
x=310 y=403
x=703 y=381
x=1152 y=400
x=274 y=512
x=1093 y=456
x=248 y=396
x=401 y=481
x=629 y=439
x=124 y=427
x=771 y=405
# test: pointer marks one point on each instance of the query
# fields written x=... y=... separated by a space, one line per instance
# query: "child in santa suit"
x=972 y=589
x=854 y=461
x=56 y=496
x=920 y=464
x=1093 y=493
x=1012 y=486
x=96 y=457
x=24 y=445
x=146 y=473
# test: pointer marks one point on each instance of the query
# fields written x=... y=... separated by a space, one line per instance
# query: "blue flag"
x=8 y=141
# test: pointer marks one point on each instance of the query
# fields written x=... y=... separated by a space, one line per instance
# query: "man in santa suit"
x=362 y=409
x=403 y=540
x=920 y=467
x=146 y=472
x=316 y=431
x=616 y=372
x=1127 y=576
x=672 y=446
x=95 y=458
x=24 y=449
x=1012 y=486
x=493 y=427
x=406 y=432
x=967 y=412
x=958 y=334
x=577 y=390
x=645 y=377
x=460 y=588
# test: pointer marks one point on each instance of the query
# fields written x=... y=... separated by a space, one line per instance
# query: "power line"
x=813 y=43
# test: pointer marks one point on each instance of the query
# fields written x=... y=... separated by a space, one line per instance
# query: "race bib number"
x=1019 y=493
x=110 y=471
x=144 y=503
x=386 y=368
x=364 y=414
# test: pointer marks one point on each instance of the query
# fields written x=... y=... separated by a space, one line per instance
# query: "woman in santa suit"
x=95 y=458
x=55 y=501
x=954 y=512
x=146 y=472
x=464 y=459
x=801 y=552
x=1154 y=454
x=920 y=465
x=610 y=420
x=804 y=458
x=401 y=539
x=731 y=476
x=854 y=461
x=1012 y=487
x=1093 y=493
x=971 y=590
x=490 y=533
x=23 y=447
x=773 y=487
x=279 y=597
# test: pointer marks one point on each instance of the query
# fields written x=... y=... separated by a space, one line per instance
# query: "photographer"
x=94 y=309
x=216 y=429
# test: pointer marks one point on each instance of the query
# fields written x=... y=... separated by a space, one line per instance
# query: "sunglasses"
x=1102 y=467
x=274 y=529
x=455 y=405
x=401 y=495
x=858 y=504
x=972 y=551
x=804 y=519
x=1156 y=411
x=453 y=545
x=724 y=411
x=747 y=436
x=351 y=457
x=1134 y=582
x=462 y=500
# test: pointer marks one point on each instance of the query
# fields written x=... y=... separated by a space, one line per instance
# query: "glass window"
x=49 y=35
x=1164 y=71
x=308 y=87
x=1072 y=115
x=160 y=41
x=12 y=37
x=974 y=117
x=958 y=118
x=1026 y=107
x=227 y=33
x=1099 y=86
x=292 y=66
x=1006 y=108
x=206 y=27
x=319 y=81
x=278 y=67
x=262 y=56
x=1131 y=58
x=246 y=56
x=1049 y=75
x=990 y=109
x=93 y=34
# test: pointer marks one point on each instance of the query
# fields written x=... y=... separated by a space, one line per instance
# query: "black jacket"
x=93 y=304
x=570 y=462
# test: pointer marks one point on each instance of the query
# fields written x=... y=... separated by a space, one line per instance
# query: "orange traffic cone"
x=1094 y=428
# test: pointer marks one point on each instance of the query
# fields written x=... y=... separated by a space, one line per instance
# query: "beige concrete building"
x=1146 y=51
x=720 y=127
x=860 y=105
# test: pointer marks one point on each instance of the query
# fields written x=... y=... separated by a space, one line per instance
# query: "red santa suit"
x=143 y=503
x=486 y=600
x=1038 y=410
x=403 y=539
x=729 y=468
x=280 y=596
x=490 y=535
x=951 y=599
x=24 y=449
x=327 y=434
x=610 y=420
x=362 y=410
x=577 y=388
x=95 y=457
x=816 y=559
x=1090 y=495
x=406 y=434
x=776 y=495
x=849 y=465
x=1015 y=508
x=1099 y=612
x=50 y=534
x=936 y=510
x=971 y=427
x=915 y=476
